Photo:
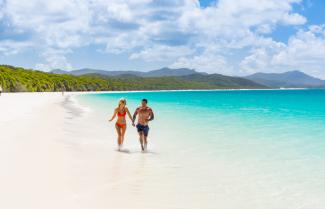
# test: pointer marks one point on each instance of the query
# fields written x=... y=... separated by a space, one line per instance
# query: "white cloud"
x=229 y=19
x=210 y=64
x=161 y=53
x=208 y=61
x=58 y=23
x=307 y=46
x=54 y=59
x=231 y=27
x=179 y=32
x=257 y=61
x=293 y=19
x=304 y=51
x=2 y=8
x=9 y=47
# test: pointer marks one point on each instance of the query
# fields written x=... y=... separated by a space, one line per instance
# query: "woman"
x=120 y=124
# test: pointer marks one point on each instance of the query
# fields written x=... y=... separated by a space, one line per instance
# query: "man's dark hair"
x=145 y=100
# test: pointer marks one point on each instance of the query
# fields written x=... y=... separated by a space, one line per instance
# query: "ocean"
x=246 y=149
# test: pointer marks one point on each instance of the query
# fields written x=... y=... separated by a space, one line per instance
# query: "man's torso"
x=144 y=114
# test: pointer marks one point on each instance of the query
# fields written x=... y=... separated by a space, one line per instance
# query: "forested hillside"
x=14 y=79
x=18 y=79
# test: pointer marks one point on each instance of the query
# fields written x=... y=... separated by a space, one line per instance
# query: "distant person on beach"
x=0 y=90
x=120 y=124
x=145 y=115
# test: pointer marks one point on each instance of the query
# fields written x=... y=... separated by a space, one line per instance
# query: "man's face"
x=144 y=104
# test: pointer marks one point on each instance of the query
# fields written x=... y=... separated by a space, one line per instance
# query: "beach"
x=53 y=157
x=34 y=164
x=60 y=151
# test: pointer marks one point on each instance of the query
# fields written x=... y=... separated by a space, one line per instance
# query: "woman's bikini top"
x=121 y=114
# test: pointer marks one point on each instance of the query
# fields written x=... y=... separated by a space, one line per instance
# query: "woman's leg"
x=118 y=130
x=123 y=129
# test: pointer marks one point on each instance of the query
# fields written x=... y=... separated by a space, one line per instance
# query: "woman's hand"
x=113 y=116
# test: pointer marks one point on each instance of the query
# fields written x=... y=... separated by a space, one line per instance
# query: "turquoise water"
x=264 y=148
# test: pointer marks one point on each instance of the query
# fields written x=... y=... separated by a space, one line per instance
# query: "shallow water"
x=217 y=149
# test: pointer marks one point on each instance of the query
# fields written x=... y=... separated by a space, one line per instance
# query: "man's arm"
x=152 y=116
x=134 y=116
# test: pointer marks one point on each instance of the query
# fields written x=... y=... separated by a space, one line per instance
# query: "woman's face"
x=122 y=103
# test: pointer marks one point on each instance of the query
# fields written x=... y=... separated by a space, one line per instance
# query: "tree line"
x=17 y=79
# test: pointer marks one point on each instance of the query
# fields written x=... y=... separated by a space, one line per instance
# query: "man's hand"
x=150 y=119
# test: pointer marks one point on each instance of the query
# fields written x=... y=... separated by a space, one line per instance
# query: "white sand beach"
x=55 y=155
x=34 y=165
x=44 y=162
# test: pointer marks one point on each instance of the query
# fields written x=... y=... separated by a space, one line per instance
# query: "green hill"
x=224 y=82
x=15 y=79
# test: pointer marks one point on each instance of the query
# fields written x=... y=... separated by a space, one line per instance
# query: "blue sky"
x=225 y=36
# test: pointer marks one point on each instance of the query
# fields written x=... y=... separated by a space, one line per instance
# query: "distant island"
x=17 y=79
x=290 y=79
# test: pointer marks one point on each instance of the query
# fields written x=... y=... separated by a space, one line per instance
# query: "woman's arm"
x=113 y=116
x=129 y=114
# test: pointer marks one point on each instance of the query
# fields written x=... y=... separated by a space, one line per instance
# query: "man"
x=145 y=115
x=0 y=90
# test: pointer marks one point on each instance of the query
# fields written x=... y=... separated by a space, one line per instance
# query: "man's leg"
x=145 y=136
x=141 y=138
x=145 y=142
x=140 y=131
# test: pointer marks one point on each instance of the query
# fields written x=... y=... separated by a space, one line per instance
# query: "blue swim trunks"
x=143 y=128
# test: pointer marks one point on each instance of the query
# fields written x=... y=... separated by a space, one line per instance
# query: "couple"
x=145 y=114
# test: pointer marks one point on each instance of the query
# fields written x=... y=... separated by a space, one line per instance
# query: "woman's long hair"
x=121 y=101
